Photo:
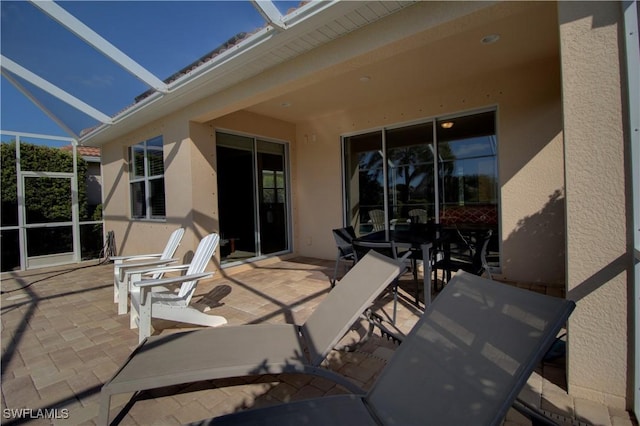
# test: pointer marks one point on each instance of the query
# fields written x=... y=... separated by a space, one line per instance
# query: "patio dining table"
x=418 y=239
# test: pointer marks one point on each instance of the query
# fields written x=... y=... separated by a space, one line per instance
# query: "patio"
x=62 y=338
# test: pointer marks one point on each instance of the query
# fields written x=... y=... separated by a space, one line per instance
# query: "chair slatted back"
x=344 y=237
x=205 y=250
x=170 y=248
x=387 y=248
x=418 y=216
x=377 y=219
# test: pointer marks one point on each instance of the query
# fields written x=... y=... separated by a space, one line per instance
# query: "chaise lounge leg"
x=335 y=272
x=103 y=413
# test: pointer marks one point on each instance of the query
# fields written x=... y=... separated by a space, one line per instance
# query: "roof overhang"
x=314 y=52
x=291 y=35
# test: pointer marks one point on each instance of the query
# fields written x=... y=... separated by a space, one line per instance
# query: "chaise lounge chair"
x=233 y=351
x=464 y=362
x=124 y=264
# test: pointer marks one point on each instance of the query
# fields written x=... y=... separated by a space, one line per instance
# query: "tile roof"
x=86 y=151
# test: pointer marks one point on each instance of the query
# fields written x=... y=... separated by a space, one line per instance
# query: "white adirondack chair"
x=173 y=305
x=124 y=264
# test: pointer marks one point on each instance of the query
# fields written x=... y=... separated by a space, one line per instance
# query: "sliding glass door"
x=468 y=170
x=390 y=175
x=410 y=174
x=442 y=171
x=252 y=197
x=364 y=180
x=272 y=197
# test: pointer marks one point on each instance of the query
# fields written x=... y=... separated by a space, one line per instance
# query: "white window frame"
x=146 y=179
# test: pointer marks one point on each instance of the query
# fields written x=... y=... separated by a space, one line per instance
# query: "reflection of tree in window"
x=467 y=154
x=370 y=180
x=410 y=176
x=273 y=187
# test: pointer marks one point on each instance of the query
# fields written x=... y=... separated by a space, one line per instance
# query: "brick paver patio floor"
x=62 y=339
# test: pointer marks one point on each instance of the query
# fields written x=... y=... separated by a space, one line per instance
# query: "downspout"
x=632 y=55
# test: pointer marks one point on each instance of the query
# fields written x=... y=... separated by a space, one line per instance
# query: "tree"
x=45 y=198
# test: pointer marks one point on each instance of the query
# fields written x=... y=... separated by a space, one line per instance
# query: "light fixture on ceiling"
x=365 y=79
x=490 y=38
x=446 y=124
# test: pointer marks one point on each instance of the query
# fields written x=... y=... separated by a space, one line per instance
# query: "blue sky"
x=162 y=36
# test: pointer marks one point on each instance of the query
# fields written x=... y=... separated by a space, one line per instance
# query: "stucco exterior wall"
x=530 y=163
x=150 y=236
x=190 y=179
x=598 y=275
x=563 y=211
x=527 y=100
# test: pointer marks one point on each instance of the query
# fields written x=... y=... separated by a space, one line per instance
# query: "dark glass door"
x=252 y=197
x=272 y=195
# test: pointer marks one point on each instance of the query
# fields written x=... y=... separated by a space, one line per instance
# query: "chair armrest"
x=141 y=267
x=173 y=280
x=135 y=257
x=163 y=269
x=146 y=264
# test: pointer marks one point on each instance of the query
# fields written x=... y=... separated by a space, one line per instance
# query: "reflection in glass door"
x=252 y=197
x=468 y=170
x=409 y=193
x=410 y=174
x=392 y=178
x=364 y=180
x=272 y=196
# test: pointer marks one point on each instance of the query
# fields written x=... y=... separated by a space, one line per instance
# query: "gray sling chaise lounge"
x=464 y=363
x=232 y=351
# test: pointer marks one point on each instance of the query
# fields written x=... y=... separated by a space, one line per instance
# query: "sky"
x=162 y=36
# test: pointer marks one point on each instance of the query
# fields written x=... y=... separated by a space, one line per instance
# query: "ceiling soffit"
x=402 y=64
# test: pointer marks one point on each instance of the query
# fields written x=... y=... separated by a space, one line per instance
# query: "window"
x=468 y=170
x=440 y=170
x=401 y=157
x=273 y=186
x=146 y=178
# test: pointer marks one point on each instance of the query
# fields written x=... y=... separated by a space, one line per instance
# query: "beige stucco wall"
x=184 y=174
x=559 y=120
x=527 y=99
x=530 y=163
x=598 y=271
x=190 y=179
x=530 y=168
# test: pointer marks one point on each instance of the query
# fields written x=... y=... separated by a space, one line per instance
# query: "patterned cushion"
x=483 y=214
